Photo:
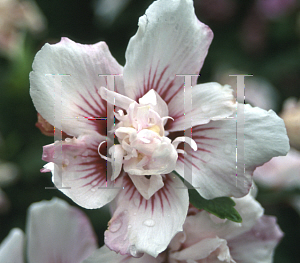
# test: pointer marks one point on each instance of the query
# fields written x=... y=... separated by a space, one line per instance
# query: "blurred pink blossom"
x=55 y=232
x=273 y=9
x=216 y=10
x=291 y=116
x=17 y=17
x=8 y=175
x=280 y=172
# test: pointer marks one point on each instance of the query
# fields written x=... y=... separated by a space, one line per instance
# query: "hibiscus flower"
x=153 y=115
x=55 y=232
x=206 y=238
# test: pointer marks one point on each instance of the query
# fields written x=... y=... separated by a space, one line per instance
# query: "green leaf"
x=222 y=207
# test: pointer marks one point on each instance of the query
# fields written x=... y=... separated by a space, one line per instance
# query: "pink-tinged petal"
x=147 y=226
x=12 y=247
x=147 y=186
x=202 y=225
x=207 y=250
x=214 y=165
x=177 y=240
x=117 y=154
x=250 y=211
x=210 y=101
x=79 y=172
x=104 y=254
x=170 y=40
x=258 y=244
x=78 y=99
x=58 y=232
x=280 y=172
x=157 y=103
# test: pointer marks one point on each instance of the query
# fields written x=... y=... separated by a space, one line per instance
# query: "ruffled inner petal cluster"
x=144 y=150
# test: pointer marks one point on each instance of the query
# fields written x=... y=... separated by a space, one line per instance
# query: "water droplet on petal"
x=133 y=251
x=115 y=226
x=94 y=183
x=134 y=214
x=136 y=201
x=67 y=162
x=45 y=155
x=149 y=222
x=93 y=189
x=129 y=226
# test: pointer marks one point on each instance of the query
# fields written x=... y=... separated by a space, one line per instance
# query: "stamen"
x=180 y=151
x=101 y=155
x=188 y=140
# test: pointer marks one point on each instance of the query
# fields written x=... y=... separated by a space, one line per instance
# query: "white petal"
x=170 y=40
x=79 y=172
x=258 y=244
x=250 y=210
x=157 y=103
x=214 y=164
x=117 y=153
x=104 y=254
x=161 y=160
x=147 y=226
x=147 y=187
x=214 y=248
x=210 y=101
x=201 y=225
x=12 y=247
x=115 y=98
x=78 y=97
x=58 y=232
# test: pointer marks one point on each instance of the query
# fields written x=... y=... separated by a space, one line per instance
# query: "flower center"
x=144 y=149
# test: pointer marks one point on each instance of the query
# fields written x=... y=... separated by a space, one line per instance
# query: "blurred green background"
x=245 y=39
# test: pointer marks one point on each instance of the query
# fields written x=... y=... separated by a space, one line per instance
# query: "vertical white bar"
x=188 y=167
x=188 y=107
x=58 y=155
x=57 y=132
x=110 y=122
x=109 y=127
x=240 y=123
